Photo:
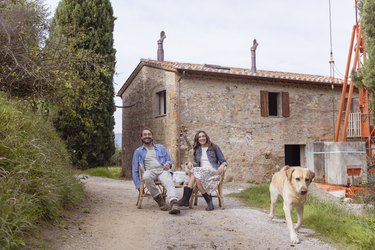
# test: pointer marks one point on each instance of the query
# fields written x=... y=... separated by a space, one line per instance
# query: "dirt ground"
x=109 y=219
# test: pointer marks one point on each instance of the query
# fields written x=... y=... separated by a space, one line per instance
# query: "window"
x=351 y=108
x=162 y=103
x=274 y=104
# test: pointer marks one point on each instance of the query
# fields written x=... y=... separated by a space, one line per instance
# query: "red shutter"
x=264 y=103
x=285 y=104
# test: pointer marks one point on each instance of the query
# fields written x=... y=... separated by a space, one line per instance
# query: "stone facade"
x=227 y=104
x=141 y=97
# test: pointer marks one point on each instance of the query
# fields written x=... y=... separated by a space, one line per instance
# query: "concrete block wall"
x=335 y=158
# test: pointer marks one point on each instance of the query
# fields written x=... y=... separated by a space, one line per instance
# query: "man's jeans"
x=165 y=177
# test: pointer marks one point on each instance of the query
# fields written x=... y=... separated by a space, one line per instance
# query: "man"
x=156 y=164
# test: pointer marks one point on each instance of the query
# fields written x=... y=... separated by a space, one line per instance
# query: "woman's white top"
x=204 y=160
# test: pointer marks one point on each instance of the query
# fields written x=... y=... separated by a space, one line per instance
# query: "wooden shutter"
x=264 y=103
x=285 y=104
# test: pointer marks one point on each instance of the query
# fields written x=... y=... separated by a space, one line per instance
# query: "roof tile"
x=174 y=66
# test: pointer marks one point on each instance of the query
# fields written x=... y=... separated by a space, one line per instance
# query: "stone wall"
x=229 y=111
x=143 y=93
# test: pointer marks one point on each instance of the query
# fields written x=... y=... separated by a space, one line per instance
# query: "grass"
x=36 y=181
x=334 y=223
x=108 y=172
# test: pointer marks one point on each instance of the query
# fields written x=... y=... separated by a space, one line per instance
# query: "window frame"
x=161 y=103
x=282 y=102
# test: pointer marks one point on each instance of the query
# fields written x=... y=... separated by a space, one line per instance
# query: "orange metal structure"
x=366 y=129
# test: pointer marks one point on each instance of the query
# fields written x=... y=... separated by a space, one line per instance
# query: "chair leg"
x=196 y=199
x=140 y=197
x=191 y=201
x=219 y=192
x=196 y=196
x=221 y=200
x=139 y=203
x=164 y=193
x=193 y=197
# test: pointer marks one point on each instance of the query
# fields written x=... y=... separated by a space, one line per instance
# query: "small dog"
x=291 y=183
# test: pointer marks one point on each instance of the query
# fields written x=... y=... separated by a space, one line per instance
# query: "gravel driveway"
x=109 y=219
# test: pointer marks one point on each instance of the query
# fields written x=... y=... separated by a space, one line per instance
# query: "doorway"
x=292 y=154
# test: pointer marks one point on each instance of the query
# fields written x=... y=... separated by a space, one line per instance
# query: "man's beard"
x=147 y=141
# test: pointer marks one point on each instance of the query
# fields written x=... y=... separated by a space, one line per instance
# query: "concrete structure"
x=341 y=163
x=259 y=119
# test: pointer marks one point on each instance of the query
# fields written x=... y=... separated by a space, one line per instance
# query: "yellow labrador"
x=291 y=183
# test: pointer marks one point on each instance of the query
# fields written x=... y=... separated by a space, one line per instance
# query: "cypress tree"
x=85 y=119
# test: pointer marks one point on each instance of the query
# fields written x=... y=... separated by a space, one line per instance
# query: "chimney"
x=253 y=58
x=160 y=46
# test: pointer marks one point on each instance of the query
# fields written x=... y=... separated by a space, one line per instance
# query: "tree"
x=368 y=25
x=22 y=31
x=368 y=72
x=86 y=120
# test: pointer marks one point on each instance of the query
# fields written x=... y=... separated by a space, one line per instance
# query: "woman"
x=209 y=164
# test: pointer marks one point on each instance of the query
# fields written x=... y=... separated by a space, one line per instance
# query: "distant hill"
x=118 y=140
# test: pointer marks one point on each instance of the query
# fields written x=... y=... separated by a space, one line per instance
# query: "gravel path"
x=109 y=219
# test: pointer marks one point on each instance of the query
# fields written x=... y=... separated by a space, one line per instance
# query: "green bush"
x=36 y=180
x=116 y=157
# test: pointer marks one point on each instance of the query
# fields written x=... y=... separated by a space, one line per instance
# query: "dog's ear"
x=289 y=173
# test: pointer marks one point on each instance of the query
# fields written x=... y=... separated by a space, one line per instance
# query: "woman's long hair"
x=196 y=144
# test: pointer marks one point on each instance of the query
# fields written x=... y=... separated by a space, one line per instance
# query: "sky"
x=293 y=35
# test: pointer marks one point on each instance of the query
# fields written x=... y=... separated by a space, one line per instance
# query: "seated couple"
x=154 y=159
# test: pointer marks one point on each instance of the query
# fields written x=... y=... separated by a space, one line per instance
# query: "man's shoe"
x=175 y=209
x=163 y=206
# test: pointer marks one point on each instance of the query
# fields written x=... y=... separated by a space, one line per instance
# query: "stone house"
x=260 y=119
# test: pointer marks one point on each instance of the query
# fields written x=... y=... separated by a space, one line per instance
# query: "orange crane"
x=362 y=122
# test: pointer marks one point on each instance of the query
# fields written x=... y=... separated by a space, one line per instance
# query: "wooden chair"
x=144 y=192
x=218 y=193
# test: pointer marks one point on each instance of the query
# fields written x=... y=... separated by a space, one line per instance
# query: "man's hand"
x=166 y=166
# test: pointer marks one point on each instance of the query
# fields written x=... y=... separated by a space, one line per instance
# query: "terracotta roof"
x=218 y=70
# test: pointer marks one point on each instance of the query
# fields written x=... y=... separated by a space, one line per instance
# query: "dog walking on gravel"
x=291 y=183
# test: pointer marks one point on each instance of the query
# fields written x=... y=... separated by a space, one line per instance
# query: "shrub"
x=36 y=180
x=116 y=158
